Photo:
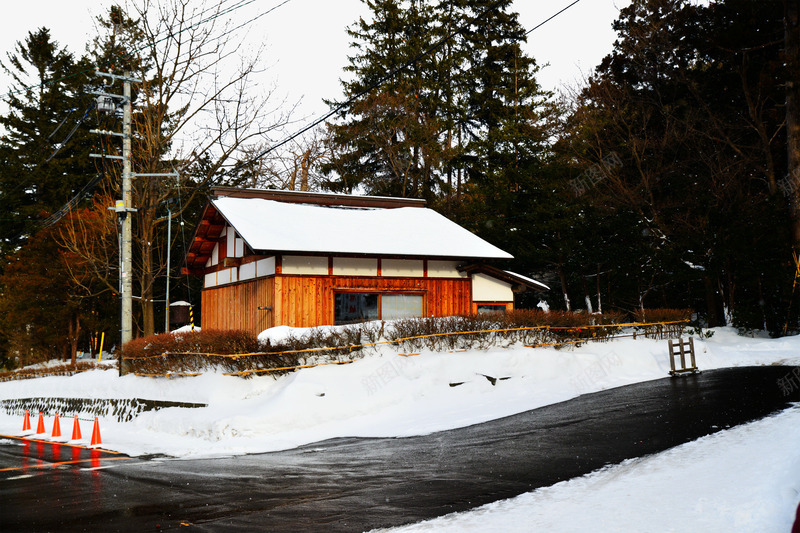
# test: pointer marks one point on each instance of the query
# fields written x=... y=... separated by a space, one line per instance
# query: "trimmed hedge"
x=60 y=370
x=193 y=352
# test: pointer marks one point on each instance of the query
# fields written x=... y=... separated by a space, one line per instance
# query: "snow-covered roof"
x=527 y=279
x=268 y=225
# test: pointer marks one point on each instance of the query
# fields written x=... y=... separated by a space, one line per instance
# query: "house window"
x=394 y=306
x=350 y=307
x=491 y=308
x=353 y=307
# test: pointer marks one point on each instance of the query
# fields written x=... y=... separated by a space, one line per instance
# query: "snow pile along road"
x=381 y=395
x=745 y=479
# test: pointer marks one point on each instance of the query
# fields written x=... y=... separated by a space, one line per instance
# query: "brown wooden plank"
x=305 y=301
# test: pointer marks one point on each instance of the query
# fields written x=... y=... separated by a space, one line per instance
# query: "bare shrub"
x=240 y=352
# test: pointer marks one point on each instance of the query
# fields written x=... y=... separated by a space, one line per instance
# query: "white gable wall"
x=444 y=269
x=308 y=265
x=247 y=271
x=355 y=266
x=409 y=268
x=265 y=267
x=488 y=289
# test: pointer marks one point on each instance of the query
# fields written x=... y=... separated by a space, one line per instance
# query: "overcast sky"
x=307 y=45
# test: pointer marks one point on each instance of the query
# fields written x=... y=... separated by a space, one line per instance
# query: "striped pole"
x=191 y=316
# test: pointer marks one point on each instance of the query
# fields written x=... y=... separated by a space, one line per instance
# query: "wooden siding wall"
x=304 y=301
x=236 y=306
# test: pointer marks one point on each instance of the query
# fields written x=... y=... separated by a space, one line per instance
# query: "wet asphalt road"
x=360 y=484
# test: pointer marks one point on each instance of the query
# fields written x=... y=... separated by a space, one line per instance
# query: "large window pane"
x=350 y=308
x=395 y=306
x=491 y=308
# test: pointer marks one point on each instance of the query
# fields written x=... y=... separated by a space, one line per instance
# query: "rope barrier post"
x=100 y=353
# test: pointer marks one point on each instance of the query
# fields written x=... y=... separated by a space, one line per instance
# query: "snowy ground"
x=385 y=394
x=746 y=479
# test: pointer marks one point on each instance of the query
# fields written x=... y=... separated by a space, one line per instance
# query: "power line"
x=550 y=18
x=391 y=73
x=378 y=82
x=66 y=208
x=169 y=34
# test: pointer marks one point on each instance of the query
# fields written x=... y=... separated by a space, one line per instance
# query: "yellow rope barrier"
x=265 y=370
x=396 y=341
x=403 y=339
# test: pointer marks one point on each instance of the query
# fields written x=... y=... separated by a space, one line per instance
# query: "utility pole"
x=126 y=263
x=169 y=247
x=109 y=103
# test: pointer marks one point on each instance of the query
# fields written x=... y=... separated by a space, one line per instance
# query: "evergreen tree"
x=389 y=141
x=44 y=150
x=690 y=100
x=464 y=125
x=466 y=109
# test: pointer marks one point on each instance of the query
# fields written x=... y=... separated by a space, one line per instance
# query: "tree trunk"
x=147 y=278
x=305 y=165
x=74 y=331
x=586 y=297
x=563 y=277
x=792 y=51
x=599 y=301
x=74 y=340
x=712 y=304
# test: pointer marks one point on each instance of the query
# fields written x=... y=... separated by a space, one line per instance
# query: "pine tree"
x=44 y=151
x=465 y=108
x=389 y=141
x=690 y=100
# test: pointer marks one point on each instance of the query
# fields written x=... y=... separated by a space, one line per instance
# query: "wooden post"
x=671 y=357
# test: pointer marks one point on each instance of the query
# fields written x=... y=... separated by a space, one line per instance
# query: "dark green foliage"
x=461 y=124
x=691 y=100
x=43 y=163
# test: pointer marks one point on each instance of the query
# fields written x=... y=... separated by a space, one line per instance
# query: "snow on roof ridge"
x=271 y=225
x=526 y=278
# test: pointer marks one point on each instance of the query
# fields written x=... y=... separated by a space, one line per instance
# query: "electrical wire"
x=62 y=123
x=550 y=18
x=58 y=215
x=66 y=208
x=390 y=74
x=375 y=84
x=169 y=35
x=61 y=145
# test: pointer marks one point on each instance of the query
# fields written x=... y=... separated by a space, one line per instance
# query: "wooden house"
x=271 y=258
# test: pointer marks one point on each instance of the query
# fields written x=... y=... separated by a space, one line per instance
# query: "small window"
x=351 y=308
x=491 y=308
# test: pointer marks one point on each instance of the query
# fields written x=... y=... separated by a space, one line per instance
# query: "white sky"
x=307 y=45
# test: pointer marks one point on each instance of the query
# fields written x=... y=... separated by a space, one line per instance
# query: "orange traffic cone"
x=96 y=434
x=56 y=428
x=40 y=425
x=76 y=430
x=26 y=424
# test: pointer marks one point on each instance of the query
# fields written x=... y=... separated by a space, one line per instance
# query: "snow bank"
x=743 y=479
x=381 y=395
